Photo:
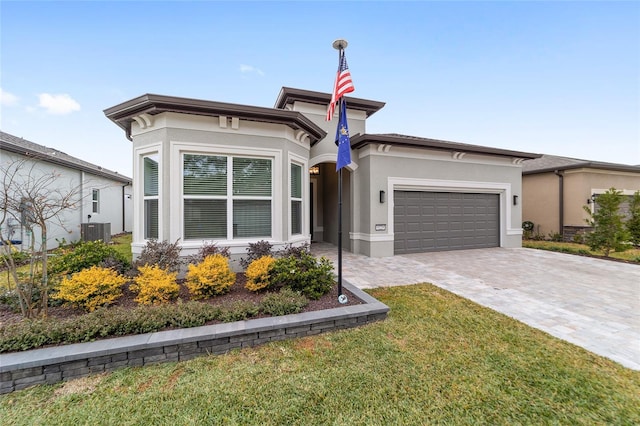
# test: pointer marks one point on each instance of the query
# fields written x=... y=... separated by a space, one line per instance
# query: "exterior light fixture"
x=315 y=170
x=382 y=197
x=515 y=200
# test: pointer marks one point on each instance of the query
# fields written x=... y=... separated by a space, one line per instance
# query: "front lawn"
x=632 y=255
x=438 y=358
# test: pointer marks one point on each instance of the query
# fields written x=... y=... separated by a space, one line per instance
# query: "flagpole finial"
x=340 y=44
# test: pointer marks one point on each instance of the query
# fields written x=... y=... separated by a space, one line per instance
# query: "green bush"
x=238 y=311
x=86 y=255
x=306 y=274
x=284 y=302
x=115 y=321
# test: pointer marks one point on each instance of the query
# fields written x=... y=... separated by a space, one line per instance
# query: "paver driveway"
x=592 y=303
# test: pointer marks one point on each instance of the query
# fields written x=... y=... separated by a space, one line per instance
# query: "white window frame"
x=95 y=201
x=304 y=208
x=138 y=192
x=178 y=149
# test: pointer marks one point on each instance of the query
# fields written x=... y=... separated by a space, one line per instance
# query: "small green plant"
x=85 y=255
x=555 y=236
x=155 y=285
x=238 y=311
x=633 y=222
x=91 y=288
x=297 y=251
x=285 y=302
x=306 y=274
x=609 y=232
x=256 y=251
x=258 y=273
x=164 y=254
x=210 y=277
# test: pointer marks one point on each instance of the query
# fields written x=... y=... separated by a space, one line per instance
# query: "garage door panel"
x=438 y=221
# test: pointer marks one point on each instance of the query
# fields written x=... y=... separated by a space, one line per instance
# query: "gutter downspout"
x=560 y=175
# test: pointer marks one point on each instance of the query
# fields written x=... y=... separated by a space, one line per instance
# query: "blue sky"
x=559 y=77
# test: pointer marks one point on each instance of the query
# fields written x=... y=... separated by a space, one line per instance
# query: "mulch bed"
x=237 y=293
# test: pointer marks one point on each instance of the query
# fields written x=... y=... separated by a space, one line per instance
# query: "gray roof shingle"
x=24 y=147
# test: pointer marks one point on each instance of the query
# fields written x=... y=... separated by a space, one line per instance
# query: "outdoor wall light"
x=515 y=200
x=382 y=196
x=592 y=199
x=315 y=170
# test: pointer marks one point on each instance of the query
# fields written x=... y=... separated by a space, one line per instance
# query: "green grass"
x=632 y=255
x=122 y=243
x=437 y=359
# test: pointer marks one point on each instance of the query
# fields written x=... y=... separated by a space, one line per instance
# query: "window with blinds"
x=296 y=199
x=213 y=196
x=151 y=212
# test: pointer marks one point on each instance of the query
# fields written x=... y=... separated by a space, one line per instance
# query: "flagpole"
x=340 y=45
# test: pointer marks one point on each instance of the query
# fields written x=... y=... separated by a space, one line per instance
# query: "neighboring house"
x=208 y=171
x=102 y=196
x=556 y=189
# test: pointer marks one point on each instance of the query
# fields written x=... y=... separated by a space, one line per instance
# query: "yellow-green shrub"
x=91 y=288
x=210 y=277
x=257 y=273
x=155 y=285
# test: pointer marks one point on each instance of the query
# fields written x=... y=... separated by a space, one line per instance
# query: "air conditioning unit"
x=95 y=231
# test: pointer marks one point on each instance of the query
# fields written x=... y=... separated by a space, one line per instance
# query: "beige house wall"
x=541 y=201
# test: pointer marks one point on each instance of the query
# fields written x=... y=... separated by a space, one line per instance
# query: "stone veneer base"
x=19 y=370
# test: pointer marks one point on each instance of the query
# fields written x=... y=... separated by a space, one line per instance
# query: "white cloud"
x=7 y=99
x=249 y=69
x=58 y=104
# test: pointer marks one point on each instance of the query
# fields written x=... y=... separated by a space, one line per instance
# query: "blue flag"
x=342 y=138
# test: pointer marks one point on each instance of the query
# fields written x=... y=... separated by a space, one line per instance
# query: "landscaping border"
x=19 y=370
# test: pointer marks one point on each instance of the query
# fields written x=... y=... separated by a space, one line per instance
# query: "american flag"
x=343 y=85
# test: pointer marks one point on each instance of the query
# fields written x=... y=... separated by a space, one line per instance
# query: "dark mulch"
x=237 y=292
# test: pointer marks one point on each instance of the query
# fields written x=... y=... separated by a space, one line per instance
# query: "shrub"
x=85 y=255
x=296 y=251
x=258 y=273
x=609 y=232
x=284 y=302
x=306 y=274
x=155 y=285
x=209 y=249
x=164 y=254
x=256 y=251
x=210 y=277
x=91 y=288
x=238 y=311
x=633 y=221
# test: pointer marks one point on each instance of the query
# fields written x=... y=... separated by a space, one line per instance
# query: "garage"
x=440 y=221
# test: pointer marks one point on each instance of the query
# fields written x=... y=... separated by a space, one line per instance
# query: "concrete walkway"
x=591 y=303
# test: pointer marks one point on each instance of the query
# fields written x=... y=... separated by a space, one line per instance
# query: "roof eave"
x=123 y=114
x=423 y=143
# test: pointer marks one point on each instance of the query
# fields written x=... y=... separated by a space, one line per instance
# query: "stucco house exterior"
x=207 y=171
x=556 y=189
x=101 y=196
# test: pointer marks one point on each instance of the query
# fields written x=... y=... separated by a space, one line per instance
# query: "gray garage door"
x=439 y=221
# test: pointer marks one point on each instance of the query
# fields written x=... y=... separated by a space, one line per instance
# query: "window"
x=213 y=197
x=151 y=196
x=296 y=199
x=95 y=201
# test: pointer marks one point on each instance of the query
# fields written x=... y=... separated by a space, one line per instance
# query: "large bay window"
x=222 y=205
x=296 y=199
x=150 y=196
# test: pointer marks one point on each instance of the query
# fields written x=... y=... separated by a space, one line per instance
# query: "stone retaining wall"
x=20 y=370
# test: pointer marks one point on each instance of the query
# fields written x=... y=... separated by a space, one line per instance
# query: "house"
x=556 y=189
x=207 y=171
x=100 y=196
